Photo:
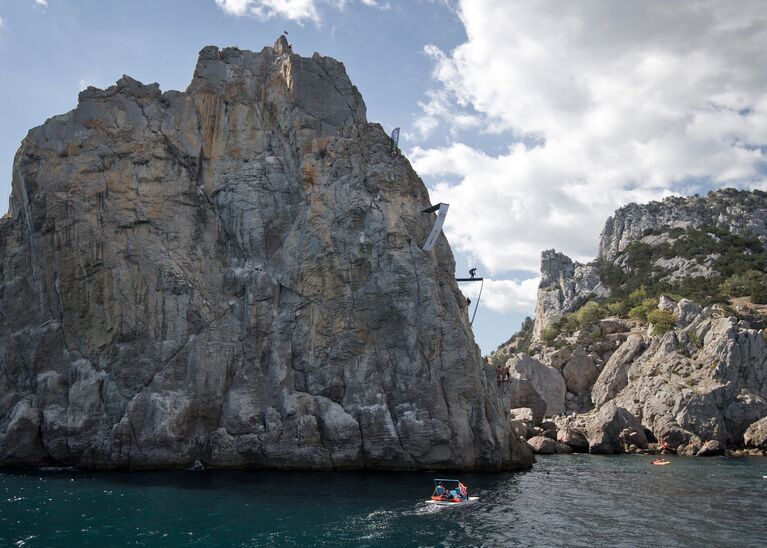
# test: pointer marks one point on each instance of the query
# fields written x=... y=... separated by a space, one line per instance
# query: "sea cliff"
x=233 y=274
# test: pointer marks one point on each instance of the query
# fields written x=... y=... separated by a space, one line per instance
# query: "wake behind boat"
x=451 y=492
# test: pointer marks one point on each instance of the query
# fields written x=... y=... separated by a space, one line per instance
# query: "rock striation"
x=233 y=274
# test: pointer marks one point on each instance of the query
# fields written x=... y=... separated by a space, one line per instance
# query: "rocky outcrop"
x=705 y=380
x=694 y=377
x=233 y=274
x=739 y=211
x=708 y=380
x=547 y=383
x=711 y=448
x=614 y=375
x=756 y=435
x=580 y=372
x=573 y=438
x=564 y=286
x=541 y=445
x=611 y=429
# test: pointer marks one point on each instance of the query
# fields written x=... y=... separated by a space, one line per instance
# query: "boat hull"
x=467 y=502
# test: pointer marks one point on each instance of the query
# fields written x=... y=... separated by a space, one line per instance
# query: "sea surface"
x=566 y=500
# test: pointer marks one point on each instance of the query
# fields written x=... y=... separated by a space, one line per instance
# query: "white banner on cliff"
x=437 y=228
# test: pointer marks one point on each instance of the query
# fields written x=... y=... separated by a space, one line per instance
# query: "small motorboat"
x=661 y=462
x=466 y=502
x=450 y=492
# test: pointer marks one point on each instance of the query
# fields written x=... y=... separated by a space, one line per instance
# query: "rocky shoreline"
x=586 y=401
x=616 y=431
x=618 y=360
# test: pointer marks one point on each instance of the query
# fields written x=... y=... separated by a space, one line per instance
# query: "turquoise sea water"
x=572 y=500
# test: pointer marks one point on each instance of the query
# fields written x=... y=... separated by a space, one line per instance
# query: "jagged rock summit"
x=233 y=274
x=564 y=286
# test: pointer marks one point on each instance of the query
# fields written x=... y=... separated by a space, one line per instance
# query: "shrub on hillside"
x=642 y=310
x=520 y=341
x=549 y=334
x=589 y=313
x=759 y=294
x=617 y=308
x=729 y=255
x=661 y=320
x=739 y=285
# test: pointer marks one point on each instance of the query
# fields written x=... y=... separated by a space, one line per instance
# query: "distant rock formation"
x=564 y=286
x=233 y=275
x=640 y=363
x=740 y=212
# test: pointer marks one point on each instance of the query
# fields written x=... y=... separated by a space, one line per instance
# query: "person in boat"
x=459 y=493
x=440 y=490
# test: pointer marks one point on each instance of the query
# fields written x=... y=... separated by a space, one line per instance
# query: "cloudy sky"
x=533 y=119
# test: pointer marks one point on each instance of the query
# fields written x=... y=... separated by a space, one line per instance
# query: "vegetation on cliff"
x=722 y=264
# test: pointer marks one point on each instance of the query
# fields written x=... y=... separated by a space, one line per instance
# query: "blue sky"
x=534 y=120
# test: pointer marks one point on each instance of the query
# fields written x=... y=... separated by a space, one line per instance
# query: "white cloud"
x=615 y=101
x=380 y=4
x=43 y=3
x=293 y=10
x=504 y=295
x=296 y=10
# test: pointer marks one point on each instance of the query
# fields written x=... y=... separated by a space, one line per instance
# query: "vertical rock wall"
x=234 y=274
x=565 y=285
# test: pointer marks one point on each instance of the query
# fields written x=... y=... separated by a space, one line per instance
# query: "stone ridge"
x=233 y=274
x=742 y=212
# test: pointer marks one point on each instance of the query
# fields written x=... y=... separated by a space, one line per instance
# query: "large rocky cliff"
x=233 y=274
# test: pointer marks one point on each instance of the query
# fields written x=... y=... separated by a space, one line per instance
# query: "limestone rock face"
x=612 y=427
x=574 y=439
x=711 y=448
x=580 y=372
x=708 y=380
x=741 y=212
x=547 y=382
x=614 y=375
x=558 y=358
x=233 y=274
x=756 y=434
x=541 y=445
x=564 y=286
